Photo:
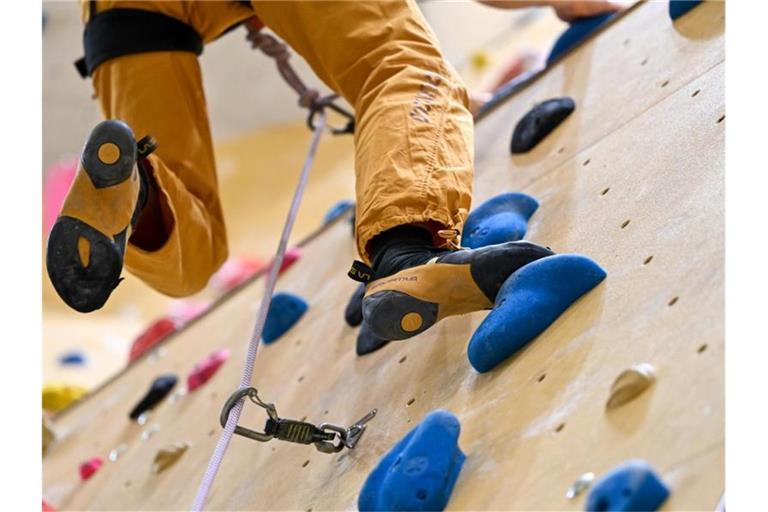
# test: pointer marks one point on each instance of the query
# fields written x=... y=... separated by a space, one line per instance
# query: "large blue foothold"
x=284 y=311
x=337 y=210
x=503 y=218
x=578 y=31
x=73 y=357
x=527 y=303
x=679 y=7
x=419 y=472
x=633 y=485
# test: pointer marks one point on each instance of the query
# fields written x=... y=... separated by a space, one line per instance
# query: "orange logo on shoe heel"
x=109 y=153
x=411 y=322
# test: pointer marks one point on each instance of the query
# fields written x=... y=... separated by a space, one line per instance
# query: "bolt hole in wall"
x=702 y=348
x=648 y=260
x=560 y=427
x=605 y=191
x=673 y=301
x=410 y=402
x=301 y=378
x=644 y=62
x=722 y=118
x=542 y=377
x=560 y=150
x=665 y=83
x=625 y=224
x=306 y=463
x=586 y=162
x=695 y=93
x=626 y=42
x=402 y=359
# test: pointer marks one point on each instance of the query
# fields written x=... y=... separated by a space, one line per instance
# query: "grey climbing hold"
x=580 y=485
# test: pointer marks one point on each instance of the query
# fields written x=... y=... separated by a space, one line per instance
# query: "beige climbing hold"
x=629 y=384
x=168 y=456
x=49 y=436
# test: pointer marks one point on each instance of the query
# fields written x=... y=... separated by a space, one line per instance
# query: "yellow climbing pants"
x=413 y=138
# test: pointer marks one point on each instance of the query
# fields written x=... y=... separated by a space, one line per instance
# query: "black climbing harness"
x=326 y=437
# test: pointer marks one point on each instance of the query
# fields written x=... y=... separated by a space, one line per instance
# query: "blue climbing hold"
x=503 y=218
x=74 y=357
x=633 y=485
x=679 y=7
x=527 y=303
x=578 y=31
x=419 y=472
x=337 y=210
x=284 y=311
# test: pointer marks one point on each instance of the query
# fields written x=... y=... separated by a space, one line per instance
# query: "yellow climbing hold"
x=629 y=384
x=479 y=60
x=168 y=456
x=58 y=396
x=49 y=436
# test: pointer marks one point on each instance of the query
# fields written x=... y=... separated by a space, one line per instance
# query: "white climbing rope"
x=253 y=346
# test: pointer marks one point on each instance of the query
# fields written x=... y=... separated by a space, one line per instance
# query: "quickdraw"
x=326 y=437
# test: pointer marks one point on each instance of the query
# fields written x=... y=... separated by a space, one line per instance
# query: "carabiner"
x=254 y=396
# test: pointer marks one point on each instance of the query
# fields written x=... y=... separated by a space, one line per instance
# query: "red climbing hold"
x=290 y=257
x=47 y=507
x=89 y=467
x=151 y=336
x=205 y=369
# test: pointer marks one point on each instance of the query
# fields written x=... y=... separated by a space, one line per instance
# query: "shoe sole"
x=109 y=157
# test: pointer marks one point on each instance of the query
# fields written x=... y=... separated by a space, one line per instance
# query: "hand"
x=570 y=10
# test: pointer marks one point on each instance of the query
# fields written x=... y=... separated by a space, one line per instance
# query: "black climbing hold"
x=539 y=122
x=353 y=315
x=368 y=342
x=159 y=389
x=633 y=485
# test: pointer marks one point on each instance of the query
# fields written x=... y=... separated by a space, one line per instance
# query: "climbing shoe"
x=87 y=243
x=453 y=282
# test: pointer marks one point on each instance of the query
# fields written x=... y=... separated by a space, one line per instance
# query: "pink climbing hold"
x=236 y=271
x=89 y=467
x=206 y=368
x=184 y=311
x=47 y=507
x=58 y=179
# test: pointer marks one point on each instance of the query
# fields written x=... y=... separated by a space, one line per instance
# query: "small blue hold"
x=419 y=472
x=578 y=31
x=503 y=218
x=528 y=302
x=633 y=485
x=679 y=7
x=284 y=311
x=337 y=210
x=74 y=357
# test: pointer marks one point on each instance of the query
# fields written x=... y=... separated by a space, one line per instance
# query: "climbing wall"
x=633 y=179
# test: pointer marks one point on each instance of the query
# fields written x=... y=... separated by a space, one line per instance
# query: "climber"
x=159 y=214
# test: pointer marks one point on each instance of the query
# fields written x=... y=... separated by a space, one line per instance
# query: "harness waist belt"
x=119 y=32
